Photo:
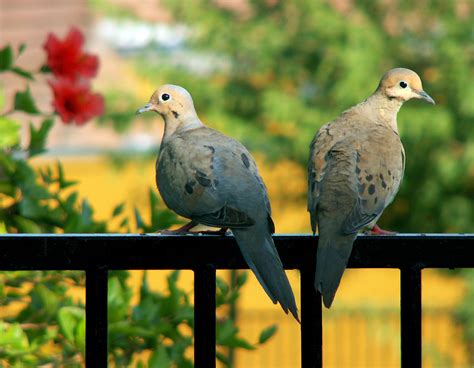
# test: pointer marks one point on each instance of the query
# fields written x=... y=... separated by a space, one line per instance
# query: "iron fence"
x=97 y=254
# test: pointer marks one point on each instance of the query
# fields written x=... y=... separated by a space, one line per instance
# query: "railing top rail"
x=152 y=251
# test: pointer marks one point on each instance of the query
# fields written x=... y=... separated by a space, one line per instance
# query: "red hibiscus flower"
x=66 y=59
x=74 y=102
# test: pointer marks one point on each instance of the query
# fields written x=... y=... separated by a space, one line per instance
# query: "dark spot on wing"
x=361 y=188
x=357 y=170
x=245 y=160
x=211 y=148
x=189 y=186
x=376 y=200
x=358 y=157
x=389 y=172
x=175 y=113
x=381 y=176
x=384 y=184
x=203 y=179
x=371 y=189
x=216 y=182
x=369 y=177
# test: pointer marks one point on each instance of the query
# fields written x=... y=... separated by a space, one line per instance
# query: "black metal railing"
x=96 y=254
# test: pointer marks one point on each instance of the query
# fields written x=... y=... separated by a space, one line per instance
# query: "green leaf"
x=32 y=209
x=267 y=333
x=45 y=69
x=127 y=328
x=24 y=102
x=241 y=279
x=160 y=358
x=118 y=209
x=21 y=48
x=69 y=318
x=71 y=201
x=80 y=335
x=222 y=286
x=124 y=222
x=9 y=132
x=86 y=213
x=22 y=73
x=139 y=219
x=224 y=359
x=7 y=163
x=25 y=225
x=237 y=342
x=38 y=136
x=12 y=337
x=7 y=188
x=63 y=183
x=6 y=58
x=118 y=300
x=45 y=300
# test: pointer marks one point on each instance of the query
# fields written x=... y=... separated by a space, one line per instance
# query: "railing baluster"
x=205 y=317
x=96 y=318
x=410 y=297
x=311 y=322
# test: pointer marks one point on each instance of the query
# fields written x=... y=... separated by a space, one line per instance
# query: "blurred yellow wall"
x=353 y=334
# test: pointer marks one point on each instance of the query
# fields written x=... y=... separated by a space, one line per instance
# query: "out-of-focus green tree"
x=284 y=68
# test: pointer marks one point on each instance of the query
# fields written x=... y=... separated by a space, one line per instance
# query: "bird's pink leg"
x=185 y=229
x=377 y=230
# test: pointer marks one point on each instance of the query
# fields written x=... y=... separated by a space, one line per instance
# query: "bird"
x=212 y=179
x=355 y=167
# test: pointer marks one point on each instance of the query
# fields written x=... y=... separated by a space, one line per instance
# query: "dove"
x=356 y=164
x=213 y=180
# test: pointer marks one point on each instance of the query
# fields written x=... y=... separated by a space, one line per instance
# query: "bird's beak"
x=425 y=96
x=145 y=108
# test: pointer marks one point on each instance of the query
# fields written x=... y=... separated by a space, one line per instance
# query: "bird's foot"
x=377 y=230
x=183 y=230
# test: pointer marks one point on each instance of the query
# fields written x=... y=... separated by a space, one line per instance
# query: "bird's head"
x=171 y=102
x=403 y=84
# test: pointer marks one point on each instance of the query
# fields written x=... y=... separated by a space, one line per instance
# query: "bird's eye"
x=403 y=84
x=165 y=97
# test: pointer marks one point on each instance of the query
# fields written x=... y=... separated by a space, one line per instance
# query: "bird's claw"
x=377 y=230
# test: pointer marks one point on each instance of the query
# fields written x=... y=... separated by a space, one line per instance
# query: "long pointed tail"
x=331 y=261
x=262 y=257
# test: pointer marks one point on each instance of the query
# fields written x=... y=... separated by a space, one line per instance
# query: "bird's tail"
x=260 y=253
x=331 y=261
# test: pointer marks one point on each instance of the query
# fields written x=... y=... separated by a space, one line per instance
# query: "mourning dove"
x=213 y=180
x=355 y=168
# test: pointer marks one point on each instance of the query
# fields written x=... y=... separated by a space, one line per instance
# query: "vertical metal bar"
x=96 y=318
x=205 y=317
x=410 y=298
x=233 y=312
x=311 y=322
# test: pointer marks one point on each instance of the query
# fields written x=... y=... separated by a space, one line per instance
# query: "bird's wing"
x=317 y=165
x=378 y=173
x=226 y=188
